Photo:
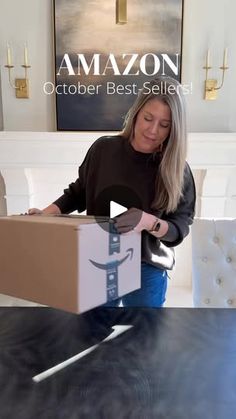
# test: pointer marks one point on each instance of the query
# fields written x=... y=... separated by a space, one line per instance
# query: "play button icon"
x=116 y=209
x=111 y=202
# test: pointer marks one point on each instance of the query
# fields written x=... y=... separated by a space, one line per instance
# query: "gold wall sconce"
x=211 y=87
x=121 y=12
x=21 y=86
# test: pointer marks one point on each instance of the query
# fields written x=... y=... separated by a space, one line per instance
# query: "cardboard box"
x=67 y=262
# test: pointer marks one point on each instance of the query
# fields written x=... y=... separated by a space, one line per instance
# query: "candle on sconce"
x=26 y=61
x=208 y=58
x=225 y=57
x=9 y=61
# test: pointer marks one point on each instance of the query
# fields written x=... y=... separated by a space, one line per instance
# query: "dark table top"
x=173 y=363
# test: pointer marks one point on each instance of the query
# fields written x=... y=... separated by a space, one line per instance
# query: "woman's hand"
x=34 y=211
x=134 y=219
x=50 y=210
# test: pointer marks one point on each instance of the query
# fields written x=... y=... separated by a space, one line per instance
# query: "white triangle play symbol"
x=116 y=209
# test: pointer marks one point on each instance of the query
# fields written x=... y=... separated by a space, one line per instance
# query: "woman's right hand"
x=50 y=210
x=34 y=211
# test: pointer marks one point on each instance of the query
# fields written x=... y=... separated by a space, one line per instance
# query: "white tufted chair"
x=214 y=262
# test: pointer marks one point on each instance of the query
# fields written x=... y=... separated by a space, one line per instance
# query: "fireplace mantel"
x=48 y=149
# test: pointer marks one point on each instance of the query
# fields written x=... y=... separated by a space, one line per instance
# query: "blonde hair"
x=170 y=174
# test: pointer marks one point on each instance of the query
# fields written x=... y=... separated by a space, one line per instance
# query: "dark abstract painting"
x=101 y=65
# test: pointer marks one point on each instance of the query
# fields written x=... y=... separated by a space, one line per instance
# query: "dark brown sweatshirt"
x=113 y=171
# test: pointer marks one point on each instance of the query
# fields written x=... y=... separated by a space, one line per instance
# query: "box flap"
x=63 y=219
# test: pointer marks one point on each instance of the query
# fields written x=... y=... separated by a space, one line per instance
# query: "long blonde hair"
x=170 y=175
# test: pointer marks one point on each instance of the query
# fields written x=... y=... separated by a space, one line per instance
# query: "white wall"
x=28 y=21
x=207 y=23
x=210 y=24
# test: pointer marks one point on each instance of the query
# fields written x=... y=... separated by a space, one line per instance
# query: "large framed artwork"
x=100 y=65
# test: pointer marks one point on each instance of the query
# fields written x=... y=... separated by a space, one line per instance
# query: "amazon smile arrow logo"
x=114 y=263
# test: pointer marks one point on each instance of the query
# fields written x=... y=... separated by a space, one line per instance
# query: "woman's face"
x=152 y=126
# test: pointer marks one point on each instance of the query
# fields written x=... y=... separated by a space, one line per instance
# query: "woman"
x=144 y=169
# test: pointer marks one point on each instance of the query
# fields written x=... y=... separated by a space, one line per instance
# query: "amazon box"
x=68 y=262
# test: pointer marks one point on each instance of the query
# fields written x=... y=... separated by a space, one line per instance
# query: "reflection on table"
x=173 y=363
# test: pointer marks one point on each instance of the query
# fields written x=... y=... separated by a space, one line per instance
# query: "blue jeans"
x=152 y=292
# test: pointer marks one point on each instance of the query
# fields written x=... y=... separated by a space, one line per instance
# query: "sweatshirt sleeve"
x=180 y=220
x=74 y=197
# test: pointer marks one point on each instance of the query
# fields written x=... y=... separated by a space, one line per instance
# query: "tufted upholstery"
x=214 y=262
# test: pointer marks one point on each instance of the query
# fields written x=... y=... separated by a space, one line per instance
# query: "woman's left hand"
x=134 y=219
